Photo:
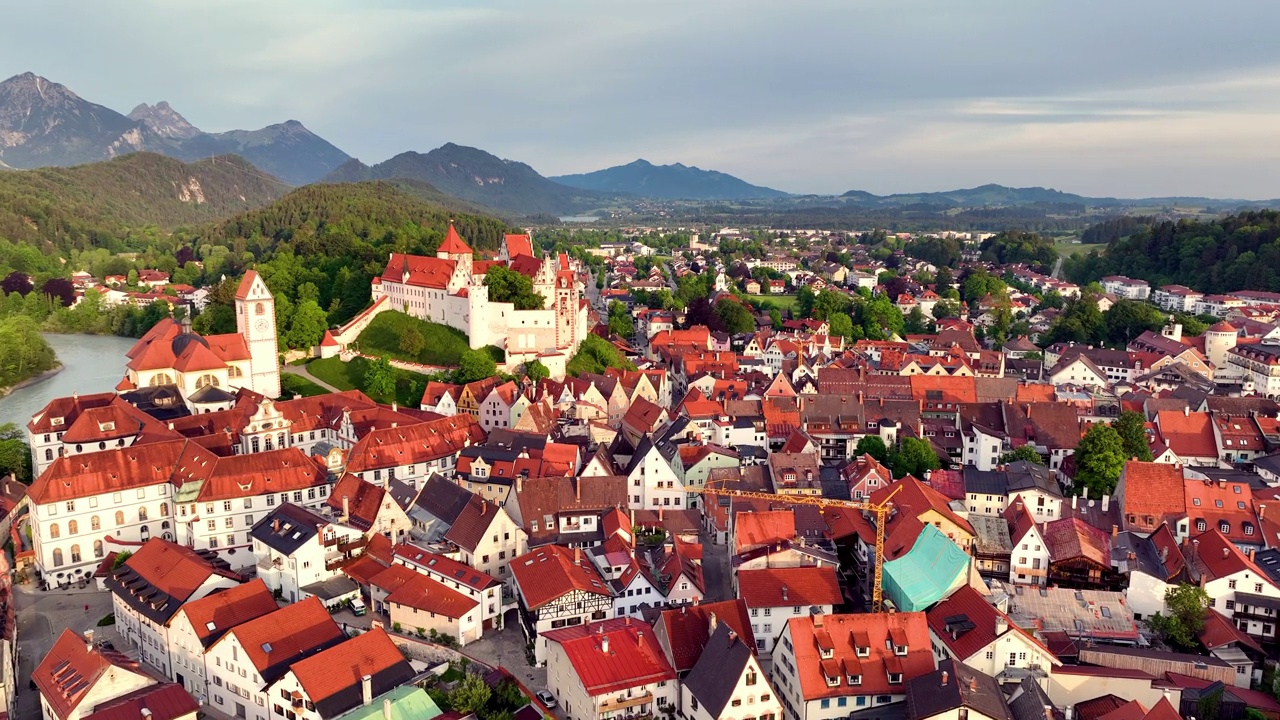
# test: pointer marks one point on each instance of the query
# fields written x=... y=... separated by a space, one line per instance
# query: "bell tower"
x=256 y=323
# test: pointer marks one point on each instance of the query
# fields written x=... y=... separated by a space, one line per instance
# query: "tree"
x=735 y=317
x=841 y=325
x=471 y=694
x=307 y=326
x=121 y=558
x=380 y=378
x=1187 y=605
x=17 y=282
x=15 y=454
x=476 y=365
x=944 y=281
x=1099 y=460
x=872 y=445
x=61 y=289
x=536 y=371
x=620 y=322
x=915 y=322
x=946 y=309
x=775 y=317
x=913 y=456
x=1132 y=428
x=595 y=355
x=412 y=342
x=1128 y=319
x=507 y=285
x=1022 y=452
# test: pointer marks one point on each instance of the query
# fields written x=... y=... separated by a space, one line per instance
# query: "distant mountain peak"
x=164 y=121
x=669 y=182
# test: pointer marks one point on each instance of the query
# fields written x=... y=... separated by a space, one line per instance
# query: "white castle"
x=449 y=289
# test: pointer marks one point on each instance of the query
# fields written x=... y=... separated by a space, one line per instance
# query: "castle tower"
x=566 y=308
x=453 y=248
x=1218 y=341
x=256 y=323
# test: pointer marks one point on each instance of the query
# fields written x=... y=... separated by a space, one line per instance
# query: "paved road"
x=302 y=371
x=42 y=616
x=715 y=570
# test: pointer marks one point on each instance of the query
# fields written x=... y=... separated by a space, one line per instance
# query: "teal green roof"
x=927 y=573
x=407 y=703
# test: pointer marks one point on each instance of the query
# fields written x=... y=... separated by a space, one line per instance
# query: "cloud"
x=1093 y=96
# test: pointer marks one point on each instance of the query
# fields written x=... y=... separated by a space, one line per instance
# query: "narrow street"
x=42 y=616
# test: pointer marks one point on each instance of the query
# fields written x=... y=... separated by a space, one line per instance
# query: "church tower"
x=256 y=323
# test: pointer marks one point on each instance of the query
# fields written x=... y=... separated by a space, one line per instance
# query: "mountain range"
x=479 y=177
x=43 y=123
x=992 y=195
x=669 y=182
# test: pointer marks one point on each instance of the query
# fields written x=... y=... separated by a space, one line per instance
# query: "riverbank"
x=89 y=364
x=4 y=392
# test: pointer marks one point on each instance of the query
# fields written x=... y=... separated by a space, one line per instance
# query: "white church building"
x=449 y=289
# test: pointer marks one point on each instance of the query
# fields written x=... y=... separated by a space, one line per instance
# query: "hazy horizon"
x=1137 y=99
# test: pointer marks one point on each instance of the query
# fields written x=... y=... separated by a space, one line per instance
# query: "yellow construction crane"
x=880 y=509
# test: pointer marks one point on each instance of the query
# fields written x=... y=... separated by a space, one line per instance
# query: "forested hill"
x=1239 y=252
x=91 y=205
x=326 y=242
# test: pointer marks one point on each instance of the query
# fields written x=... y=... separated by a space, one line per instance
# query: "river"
x=90 y=364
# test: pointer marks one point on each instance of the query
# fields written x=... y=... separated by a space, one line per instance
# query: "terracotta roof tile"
x=550 y=572
x=70 y=670
x=613 y=655
x=332 y=677
x=215 y=614
x=781 y=587
x=846 y=632
x=430 y=595
x=689 y=626
x=274 y=641
x=1151 y=490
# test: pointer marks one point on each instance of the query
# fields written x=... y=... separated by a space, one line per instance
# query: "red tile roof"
x=215 y=614
x=910 y=495
x=70 y=670
x=429 y=272
x=872 y=630
x=246 y=284
x=453 y=243
x=1187 y=434
x=173 y=569
x=473 y=522
x=550 y=572
x=782 y=587
x=689 y=627
x=456 y=571
x=342 y=666
x=613 y=655
x=1217 y=557
x=363 y=500
x=1152 y=490
x=277 y=639
x=1072 y=538
x=168 y=701
x=968 y=602
x=414 y=444
x=519 y=245
x=427 y=594
x=766 y=527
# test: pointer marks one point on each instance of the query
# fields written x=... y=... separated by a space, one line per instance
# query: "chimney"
x=1186 y=411
x=275 y=525
x=784 y=592
x=945 y=678
x=627 y=621
x=817 y=620
x=577 y=490
x=1250 y=554
x=1164 y=554
x=88 y=639
x=1106 y=501
x=712 y=621
x=1262 y=510
x=484 y=506
x=146 y=713
x=386 y=709
x=1002 y=624
x=973 y=684
x=640 y=638
x=577 y=559
x=519 y=484
x=1226 y=552
x=1074 y=500
x=1115 y=530
x=604 y=643
x=346 y=508
x=366 y=689
x=394 y=408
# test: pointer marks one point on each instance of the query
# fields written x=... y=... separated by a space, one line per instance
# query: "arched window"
x=164 y=525
x=54 y=530
x=270 y=446
x=75 y=553
x=280 y=441
x=206 y=380
x=119 y=518
x=164 y=510
x=95 y=523
x=142 y=514
x=234 y=371
x=48 y=455
x=97 y=548
x=161 y=379
x=57 y=557
x=260 y=308
x=256 y=444
x=73 y=527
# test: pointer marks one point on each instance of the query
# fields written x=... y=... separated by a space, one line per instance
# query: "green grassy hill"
x=435 y=345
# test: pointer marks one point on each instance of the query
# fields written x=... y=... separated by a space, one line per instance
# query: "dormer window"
x=863 y=652
x=827 y=653
x=1224 y=527
x=854 y=680
x=895 y=678
x=899 y=649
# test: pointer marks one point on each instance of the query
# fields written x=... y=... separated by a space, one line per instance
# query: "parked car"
x=358 y=607
x=547 y=699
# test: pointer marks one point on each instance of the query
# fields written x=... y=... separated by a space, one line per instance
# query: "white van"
x=358 y=607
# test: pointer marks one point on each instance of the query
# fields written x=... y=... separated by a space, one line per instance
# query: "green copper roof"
x=933 y=568
x=407 y=703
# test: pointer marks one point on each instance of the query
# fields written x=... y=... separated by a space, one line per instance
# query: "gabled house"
x=348 y=675
x=372 y=508
x=74 y=678
x=613 y=668
x=968 y=629
x=558 y=588
x=1029 y=556
x=149 y=588
x=775 y=595
x=199 y=623
x=683 y=632
x=829 y=666
x=298 y=550
x=1149 y=495
x=956 y=690
x=485 y=589
x=727 y=678
x=1236 y=585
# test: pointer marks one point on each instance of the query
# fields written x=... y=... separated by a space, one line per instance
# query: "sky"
x=1127 y=98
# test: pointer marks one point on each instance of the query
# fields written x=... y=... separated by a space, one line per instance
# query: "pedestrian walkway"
x=302 y=371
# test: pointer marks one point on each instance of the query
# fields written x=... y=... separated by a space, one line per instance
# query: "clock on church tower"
x=256 y=323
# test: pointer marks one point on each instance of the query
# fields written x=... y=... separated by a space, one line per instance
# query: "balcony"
x=617 y=704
